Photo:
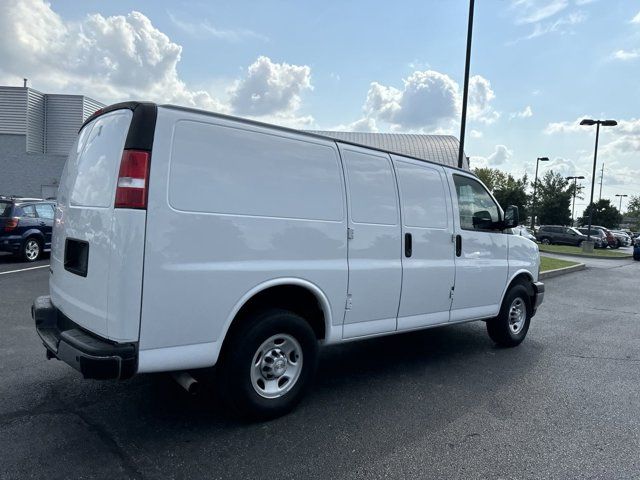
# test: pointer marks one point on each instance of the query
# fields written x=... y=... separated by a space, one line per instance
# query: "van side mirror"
x=511 y=217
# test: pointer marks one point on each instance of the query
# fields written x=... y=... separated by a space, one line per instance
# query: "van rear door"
x=97 y=248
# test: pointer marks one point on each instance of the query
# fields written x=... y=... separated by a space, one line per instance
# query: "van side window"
x=423 y=196
x=476 y=206
x=373 y=197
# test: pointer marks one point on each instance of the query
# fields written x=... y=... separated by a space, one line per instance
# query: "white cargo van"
x=185 y=239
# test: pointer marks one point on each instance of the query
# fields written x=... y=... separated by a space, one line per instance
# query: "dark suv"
x=25 y=226
x=548 y=234
x=597 y=235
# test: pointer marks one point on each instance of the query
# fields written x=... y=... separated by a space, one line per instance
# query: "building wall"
x=64 y=119
x=13 y=110
x=27 y=174
x=35 y=121
x=37 y=131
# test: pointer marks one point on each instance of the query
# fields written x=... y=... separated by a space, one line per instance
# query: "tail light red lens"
x=11 y=224
x=133 y=180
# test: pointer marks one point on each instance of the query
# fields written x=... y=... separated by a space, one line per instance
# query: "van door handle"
x=458 y=245
x=408 y=245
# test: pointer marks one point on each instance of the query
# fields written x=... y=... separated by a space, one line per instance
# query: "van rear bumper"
x=91 y=355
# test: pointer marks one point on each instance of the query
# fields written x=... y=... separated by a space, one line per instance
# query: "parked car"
x=550 y=234
x=523 y=232
x=26 y=226
x=597 y=235
x=612 y=242
x=622 y=238
x=295 y=240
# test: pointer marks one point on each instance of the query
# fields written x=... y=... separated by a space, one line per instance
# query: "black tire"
x=579 y=245
x=500 y=329
x=31 y=250
x=545 y=241
x=238 y=358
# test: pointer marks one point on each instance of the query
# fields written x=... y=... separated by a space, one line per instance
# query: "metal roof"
x=442 y=149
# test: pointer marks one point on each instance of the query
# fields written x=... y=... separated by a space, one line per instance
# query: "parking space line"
x=24 y=269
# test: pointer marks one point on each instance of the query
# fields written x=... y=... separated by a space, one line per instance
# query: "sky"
x=537 y=68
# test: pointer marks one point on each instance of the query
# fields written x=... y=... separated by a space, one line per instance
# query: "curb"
x=562 y=271
x=580 y=255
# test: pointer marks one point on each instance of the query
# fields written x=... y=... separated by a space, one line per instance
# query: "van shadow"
x=14 y=260
x=443 y=366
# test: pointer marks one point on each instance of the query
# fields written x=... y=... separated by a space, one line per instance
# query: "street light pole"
x=535 y=188
x=465 y=91
x=575 y=190
x=597 y=123
x=621 y=197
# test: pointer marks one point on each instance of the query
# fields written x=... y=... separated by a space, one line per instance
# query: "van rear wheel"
x=269 y=364
x=511 y=325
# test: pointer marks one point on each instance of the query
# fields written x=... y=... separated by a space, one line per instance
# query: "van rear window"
x=89 y=179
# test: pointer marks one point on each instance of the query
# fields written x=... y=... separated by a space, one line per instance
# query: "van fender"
x=275 y=282
x=512 y=278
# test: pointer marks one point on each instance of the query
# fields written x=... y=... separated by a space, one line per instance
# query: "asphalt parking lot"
x=442 y=403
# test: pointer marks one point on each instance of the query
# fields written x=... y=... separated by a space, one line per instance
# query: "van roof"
x=435 y=149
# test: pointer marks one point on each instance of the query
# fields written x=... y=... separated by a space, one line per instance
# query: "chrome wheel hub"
x=32 y=250
x=517 y=315
x=276 y=366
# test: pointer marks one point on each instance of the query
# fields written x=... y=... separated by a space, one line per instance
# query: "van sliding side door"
x=375 y=268
x=428 y=266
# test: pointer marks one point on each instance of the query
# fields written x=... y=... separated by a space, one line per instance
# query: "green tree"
x=604 y=214
x=633 y=211
x=505 y=188
x=491 y=177
x=553 y=200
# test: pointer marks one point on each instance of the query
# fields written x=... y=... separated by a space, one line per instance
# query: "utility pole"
x=465 y=92
x=597 y=123
x=601 y=177
x=575 y=190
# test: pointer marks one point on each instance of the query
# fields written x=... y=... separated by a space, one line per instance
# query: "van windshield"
x=5 y=209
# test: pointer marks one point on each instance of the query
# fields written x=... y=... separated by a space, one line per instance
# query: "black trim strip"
x=143 y=123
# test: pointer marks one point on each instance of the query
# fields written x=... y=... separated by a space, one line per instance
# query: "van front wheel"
x=269 y=364
x=511 y=325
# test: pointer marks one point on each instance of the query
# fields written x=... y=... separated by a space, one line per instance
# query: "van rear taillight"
x=133 y=180
x=11 y=224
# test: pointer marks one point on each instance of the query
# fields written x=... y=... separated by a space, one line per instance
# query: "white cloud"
x=125 y=57
x=626 y=55
x=429 y=101
x=636 y=19
x=480 y=98
x=566 y=167
x=500 y=156
x=532 y=11
x=364 y=124
x=270 y=87
x=619 y=148
x=526 y=113
x=475 y=134
x=204 y=28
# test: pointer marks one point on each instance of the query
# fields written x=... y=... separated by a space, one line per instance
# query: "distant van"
x=185 y=239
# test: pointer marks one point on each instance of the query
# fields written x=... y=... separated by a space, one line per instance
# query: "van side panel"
x=231 y=207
